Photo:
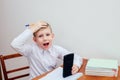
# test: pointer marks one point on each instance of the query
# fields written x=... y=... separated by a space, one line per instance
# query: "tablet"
x=67 y=64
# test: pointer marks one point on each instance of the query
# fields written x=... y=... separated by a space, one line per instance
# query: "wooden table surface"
x=0 y=73
x=85 y=77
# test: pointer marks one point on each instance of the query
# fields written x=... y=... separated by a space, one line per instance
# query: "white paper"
x=57 y=74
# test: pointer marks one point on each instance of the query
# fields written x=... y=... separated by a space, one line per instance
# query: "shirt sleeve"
x=19 y=43
x=77 y=59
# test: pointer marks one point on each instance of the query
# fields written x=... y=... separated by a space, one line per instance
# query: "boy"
x=42 y=55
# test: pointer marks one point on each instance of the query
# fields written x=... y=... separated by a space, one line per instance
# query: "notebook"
x=57 y=74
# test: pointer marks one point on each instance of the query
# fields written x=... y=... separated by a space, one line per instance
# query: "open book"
x=57 y=74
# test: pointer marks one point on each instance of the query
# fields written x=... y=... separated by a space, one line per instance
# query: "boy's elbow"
x=13 y=44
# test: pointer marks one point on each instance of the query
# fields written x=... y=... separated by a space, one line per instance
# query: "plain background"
x=90 y=28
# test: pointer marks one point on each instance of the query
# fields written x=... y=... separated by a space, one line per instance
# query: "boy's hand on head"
x=75 y=69
x=35 y=26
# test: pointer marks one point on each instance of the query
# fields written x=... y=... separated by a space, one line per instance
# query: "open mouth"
x=45 y=44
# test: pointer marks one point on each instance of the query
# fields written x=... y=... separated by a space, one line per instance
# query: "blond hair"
x=41 y=28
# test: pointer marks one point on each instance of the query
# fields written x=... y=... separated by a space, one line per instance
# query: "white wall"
x=90 y=28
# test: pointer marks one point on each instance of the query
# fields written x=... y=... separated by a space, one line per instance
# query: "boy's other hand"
x=35 y=26
x=75 y=69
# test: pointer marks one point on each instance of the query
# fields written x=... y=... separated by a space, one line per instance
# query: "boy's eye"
x=40 y=36
x=47 y=34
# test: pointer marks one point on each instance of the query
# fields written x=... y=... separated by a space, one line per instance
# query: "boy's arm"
x=78 y=60
x=19 y=43
x=77 y=63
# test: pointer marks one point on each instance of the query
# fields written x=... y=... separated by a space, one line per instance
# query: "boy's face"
x=44 y=38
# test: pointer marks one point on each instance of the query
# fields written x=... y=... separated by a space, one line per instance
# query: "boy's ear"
x=34 y=39
x=53 y=35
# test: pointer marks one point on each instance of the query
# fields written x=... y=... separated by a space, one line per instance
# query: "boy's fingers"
x=74 y=69
x=42 y=23
x=35 y=26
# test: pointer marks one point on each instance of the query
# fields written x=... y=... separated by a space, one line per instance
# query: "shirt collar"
x=49 y=50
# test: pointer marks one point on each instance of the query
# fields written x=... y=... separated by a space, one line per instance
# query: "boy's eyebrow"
x=46 y=24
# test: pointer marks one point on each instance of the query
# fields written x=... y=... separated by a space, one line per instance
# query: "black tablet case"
x=67 y=64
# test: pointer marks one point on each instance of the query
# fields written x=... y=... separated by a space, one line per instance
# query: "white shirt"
x=40 y=60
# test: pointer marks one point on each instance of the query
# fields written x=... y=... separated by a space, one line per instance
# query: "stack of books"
x=102 y=67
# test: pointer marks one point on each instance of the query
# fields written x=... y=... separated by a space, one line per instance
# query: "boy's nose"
x=45 y=37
